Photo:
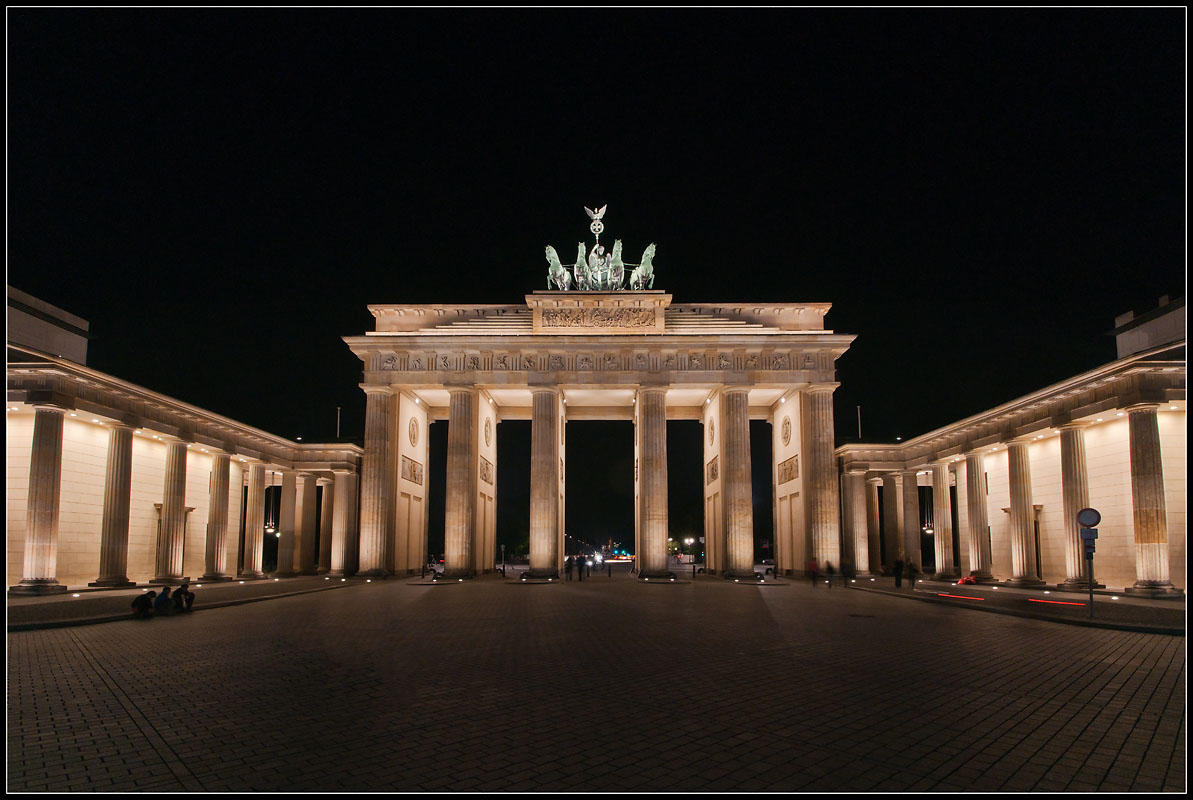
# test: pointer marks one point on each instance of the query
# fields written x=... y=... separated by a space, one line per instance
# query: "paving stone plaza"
x=610 y=684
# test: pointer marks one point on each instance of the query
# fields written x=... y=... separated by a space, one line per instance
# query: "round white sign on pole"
x=1089 y=517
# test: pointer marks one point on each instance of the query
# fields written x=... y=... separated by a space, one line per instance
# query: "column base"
x=458 y=574
x=368 y=573
x=729 y=575
x=1026 y=583
x=307 y=571
x=944 y=576
x=287 y=574
x=985 y=580
x=656 y=575
x=113 y=583
x=1156 y=591
x=35 y=587
x=1078 y=586
x=542 y=574
x=168 y=581
x=215 y=578
x=322 y=571
x=249 y=576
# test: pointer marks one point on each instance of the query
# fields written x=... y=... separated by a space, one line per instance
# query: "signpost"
x=1087 y=518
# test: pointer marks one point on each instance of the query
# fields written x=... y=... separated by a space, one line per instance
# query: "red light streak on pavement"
x=962 y=596
x=1054 y=602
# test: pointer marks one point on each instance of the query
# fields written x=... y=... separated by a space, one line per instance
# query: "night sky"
x=222 y=193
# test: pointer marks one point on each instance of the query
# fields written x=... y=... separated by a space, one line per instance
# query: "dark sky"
x=221 y=193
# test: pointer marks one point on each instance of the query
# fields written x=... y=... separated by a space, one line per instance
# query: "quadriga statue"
x=643 y=275
x=583 y=280
x=556 y=274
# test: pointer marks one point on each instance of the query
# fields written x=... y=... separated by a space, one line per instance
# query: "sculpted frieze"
x=412 y=471
x=598 y=318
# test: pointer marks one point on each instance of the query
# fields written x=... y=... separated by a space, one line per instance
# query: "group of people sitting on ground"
x=149 y=604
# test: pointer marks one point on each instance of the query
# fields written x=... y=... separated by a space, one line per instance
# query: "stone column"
x=544 y=482
x=1025 y=570
x=326 y=517
x=1074 y=484
x=340 y=555
x=41 y=515
x=892 y=533
x=824 y=499
x=873 y=528
x=376 y=489
x=912 y=530
x=172 y=526
x=461 y=484
x=216 y=555
x=113 y=540
x=305 y=528
x=652 y=484
x=855 y=483
x=1149 y=511
x=286 y=526
x=978 y=516
x=737 y=488
x=351 y=523
x=254 y=523
x=942 y=522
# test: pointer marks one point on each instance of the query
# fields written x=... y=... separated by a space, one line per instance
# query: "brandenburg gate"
x=589 y=349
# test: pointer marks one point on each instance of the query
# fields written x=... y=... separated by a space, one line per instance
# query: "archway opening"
x=599 y=491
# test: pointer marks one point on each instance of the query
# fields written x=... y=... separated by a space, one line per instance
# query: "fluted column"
x=544 y=483
x=1074 y=483
x=892 y=532
x=1149 y=511
x=978 y=516
x=352 y=523
x=254 y=523
x=942 y=522
x=1025 y=571
x=461 y=484
x=172 y=527
x=326 y=523
x=652 y=481
x=286 y=528
x=215 y=557
x=376 y=482
x=113 y=538
x=737 y=484
x=41 y=515
x=341 y=520
x=825 y=515
x=912 y=530
x=873 y=528
x=305 y=524
x=855 y=487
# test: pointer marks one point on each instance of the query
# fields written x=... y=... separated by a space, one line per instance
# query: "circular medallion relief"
x=786 y=431
x=413 y=431
x=712 y=431
x=488 y=431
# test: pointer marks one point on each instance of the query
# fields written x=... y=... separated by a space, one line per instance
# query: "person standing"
x=567 y=567
x=829 y=573
x=813 y=570
x=898 y=573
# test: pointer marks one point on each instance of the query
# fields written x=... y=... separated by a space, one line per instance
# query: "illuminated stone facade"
x=636 y=356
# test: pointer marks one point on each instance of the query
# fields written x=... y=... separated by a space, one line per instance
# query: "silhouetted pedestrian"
x=813 y=570
x=143 y=605
x=163 y=604
x=911 y=573
x=898 y=573
x=829 y=573
x=567 y=567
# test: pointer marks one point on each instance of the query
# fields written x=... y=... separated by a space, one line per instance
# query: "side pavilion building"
x=617 y=355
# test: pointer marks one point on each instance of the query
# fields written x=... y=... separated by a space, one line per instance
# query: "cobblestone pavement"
x=602 y=685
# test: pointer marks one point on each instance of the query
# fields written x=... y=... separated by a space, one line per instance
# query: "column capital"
x=373 y=388
x=1073 y=426
x=48 y=407
x=734 y=388
x=821 y=387
x=1137 y=407
x=551 y=390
